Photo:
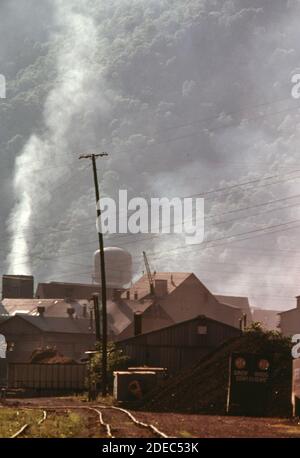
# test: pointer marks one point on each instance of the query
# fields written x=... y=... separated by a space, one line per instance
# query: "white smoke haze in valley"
x=76 y=43
x=186 y=96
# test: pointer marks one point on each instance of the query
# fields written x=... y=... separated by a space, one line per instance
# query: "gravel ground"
x=173 y=424
x=214 y=426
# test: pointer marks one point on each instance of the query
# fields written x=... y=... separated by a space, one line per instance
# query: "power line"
x=217 y=190
x=185 y=136
x=225 y=237
x=228 y=113
x=207 y=242
x=213 y=216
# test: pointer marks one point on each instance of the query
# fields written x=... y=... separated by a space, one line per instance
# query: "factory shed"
x=121 y=315
x=69 y=291
x=17 y=286
x=152 y=317
x=31 y=306
x=182 y=296
x=24 y=334
x=179 y=345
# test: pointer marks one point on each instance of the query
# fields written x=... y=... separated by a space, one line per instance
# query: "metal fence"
x=65 y=377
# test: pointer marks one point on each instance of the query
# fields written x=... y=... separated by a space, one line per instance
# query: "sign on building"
x=249 y=383
x=296 y=387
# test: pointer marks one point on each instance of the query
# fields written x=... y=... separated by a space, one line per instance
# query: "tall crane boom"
x=150 y=279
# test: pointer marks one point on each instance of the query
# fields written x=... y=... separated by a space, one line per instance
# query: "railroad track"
x=26 y=426
x=111 y=427
x=147 y=426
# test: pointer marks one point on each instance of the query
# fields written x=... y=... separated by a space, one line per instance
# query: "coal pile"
x=49 y=356
x=203 y=387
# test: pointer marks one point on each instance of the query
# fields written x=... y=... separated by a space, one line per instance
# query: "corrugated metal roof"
x=237 y=302
x=29 y=306
x=141 y=286
x=234 y=301
x=62 y=289
x=182 y=324
x=120 y=313
x=55 y=324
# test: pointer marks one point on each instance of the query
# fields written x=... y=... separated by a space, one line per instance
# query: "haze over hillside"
x=188 y=97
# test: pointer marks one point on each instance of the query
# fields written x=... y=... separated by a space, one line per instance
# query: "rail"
x=98 y=410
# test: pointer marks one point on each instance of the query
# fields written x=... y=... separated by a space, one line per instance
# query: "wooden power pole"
x=97 y=317
x=93 y=157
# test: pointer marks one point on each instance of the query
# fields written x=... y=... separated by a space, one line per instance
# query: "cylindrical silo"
x=118 y=267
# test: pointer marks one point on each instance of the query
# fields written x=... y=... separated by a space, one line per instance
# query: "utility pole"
x=97 y=317
x=102 y=269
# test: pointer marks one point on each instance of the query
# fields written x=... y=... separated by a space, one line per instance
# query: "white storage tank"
x=118 y=267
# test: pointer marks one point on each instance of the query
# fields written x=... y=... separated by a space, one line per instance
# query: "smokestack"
x=298 y=302
x=70 y=311
x=137 y=319
x=41 y=310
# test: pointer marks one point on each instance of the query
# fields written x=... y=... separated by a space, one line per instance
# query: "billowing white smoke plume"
x=42 y=161
x=186 y=96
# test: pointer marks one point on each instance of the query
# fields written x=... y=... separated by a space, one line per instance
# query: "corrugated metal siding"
x=47 y=376
x=178 y=346
x=3 y=372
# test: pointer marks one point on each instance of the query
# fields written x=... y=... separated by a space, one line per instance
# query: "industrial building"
x=118 y=275
x=179 y=296
x=17 y=286
x=178 y=346
x=239 y=302
x=269 y=319
x=50 y=307
x=175 y=297
x=170 y=302
x=68 y=291
x=25 y=333
x=290 y=320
